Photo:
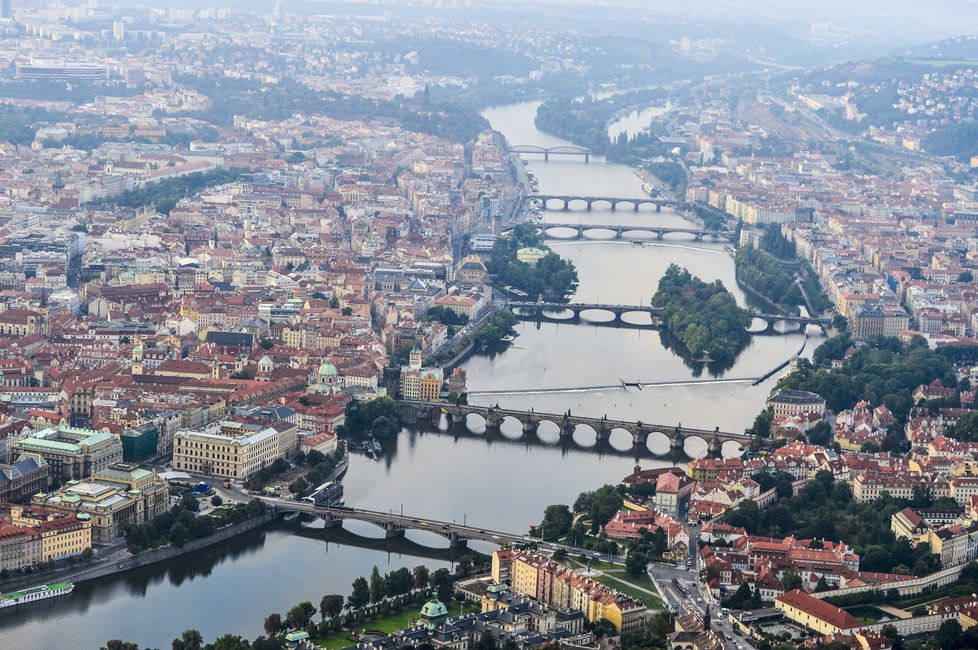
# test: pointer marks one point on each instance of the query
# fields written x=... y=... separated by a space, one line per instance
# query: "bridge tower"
x=455 y=541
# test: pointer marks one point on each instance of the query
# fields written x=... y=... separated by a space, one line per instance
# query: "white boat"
x=34 y=594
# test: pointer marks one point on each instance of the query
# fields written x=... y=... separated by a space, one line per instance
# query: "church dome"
x=328 y=370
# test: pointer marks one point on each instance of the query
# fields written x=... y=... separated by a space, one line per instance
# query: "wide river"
x=496 y=481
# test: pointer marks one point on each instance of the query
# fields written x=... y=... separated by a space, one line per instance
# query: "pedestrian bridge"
x=418 y=412
x=557 y=312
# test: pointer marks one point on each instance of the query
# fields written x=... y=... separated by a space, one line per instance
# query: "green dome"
x=434 y=608
x=328 y=370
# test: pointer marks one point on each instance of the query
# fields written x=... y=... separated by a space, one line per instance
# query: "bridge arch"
x=695 y=446
x=658 y=443
x=475 y=422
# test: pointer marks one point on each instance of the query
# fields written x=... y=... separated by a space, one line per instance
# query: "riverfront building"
x=61 y=535
x=72 y=453
x=114 y=498
x=559 y=587
x=232 y=450
x=787 y=402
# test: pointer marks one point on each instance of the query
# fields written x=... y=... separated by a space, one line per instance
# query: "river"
x=496 y=481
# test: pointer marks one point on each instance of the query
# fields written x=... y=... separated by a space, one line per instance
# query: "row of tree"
x=764 y=275
x=180 y=524
x=165 y=194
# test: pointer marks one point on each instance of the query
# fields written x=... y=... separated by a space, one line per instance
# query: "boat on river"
x=34 y=594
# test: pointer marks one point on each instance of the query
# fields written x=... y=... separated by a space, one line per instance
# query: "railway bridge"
x=546 y=152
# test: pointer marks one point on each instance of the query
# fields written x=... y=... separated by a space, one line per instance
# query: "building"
x=787 y=402
x=559 y=587
x=531 y=255
x=6 y=11
x=140 y=442
x=24 y=478
x=116 y=497
x=471 y=271
x=815 y=614
x=72 y=453
x=61 y=535
x=230 y=450
x=672 y=493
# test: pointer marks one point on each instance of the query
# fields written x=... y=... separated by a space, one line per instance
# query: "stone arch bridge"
x=431 y=412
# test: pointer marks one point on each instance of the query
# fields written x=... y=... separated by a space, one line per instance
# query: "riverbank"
x=108 y=566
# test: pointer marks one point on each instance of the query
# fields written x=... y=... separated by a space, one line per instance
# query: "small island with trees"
x=704 y=317
x=552 y=277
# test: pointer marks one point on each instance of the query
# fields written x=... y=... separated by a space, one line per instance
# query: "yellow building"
x=114 y=498
x=231 y=450
x=62 y=534
x=429 y=386
x=815 y=614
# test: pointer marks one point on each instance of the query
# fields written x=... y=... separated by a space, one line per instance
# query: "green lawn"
x=614 y=576
x=385 y=625
x=868 y=614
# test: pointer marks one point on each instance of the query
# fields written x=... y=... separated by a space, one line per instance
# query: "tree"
x=116 y=644
x=740 y=598
x=361 y=593
x=189 y=640
x=216 y=500
x=557 y=520
x=559 y=555
x=791 y=580
x=948 y=635
x=821 y=585
x=273 y=623
x=330 y=606
x=605 y=502
x=603 y=628
x=299 y=615
x=441 y=581
x=179 y=535
x=420 y=576
x=229 y=642
x=378 y=587
x=636 y=564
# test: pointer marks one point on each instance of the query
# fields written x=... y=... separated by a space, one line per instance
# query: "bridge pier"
x=659 y=234
x=698 y=236
x=493 y=421
x=391 y=531
x=614 y=205
x=590 y=204
x=530 y=427
x=567 y=428
x=715 y=447
x=603 y=433
x=658 y=207
x=566 y=205
x=330 y=521
x=587 y=158
x=676 y=446
x=456 y=542
x=546 y=156
x=635 y=206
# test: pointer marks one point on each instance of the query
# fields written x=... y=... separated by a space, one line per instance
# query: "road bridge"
x=621 y=232
x=395 y=524
x=546 y=152
x=417 y=411
x=539 y=310
x=566 y=201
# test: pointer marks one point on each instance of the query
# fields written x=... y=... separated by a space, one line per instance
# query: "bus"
x=326 y=495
